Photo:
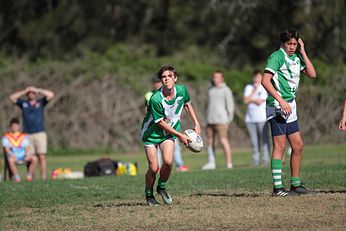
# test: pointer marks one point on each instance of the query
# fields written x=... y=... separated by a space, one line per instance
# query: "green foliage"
x=131 y=64
x=243 y=32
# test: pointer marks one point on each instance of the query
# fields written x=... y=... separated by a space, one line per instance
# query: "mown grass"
x=324 y=169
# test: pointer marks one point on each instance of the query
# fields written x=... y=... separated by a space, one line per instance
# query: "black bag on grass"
x=101 y=167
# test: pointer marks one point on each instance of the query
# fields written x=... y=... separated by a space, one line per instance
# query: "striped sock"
x=295 y=181
x=276 y=173
x=148 y=192
x=162 y=184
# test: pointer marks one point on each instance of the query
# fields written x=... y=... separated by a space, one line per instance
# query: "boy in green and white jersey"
x=161 y=125
x=178 y=159
x=286 y=70
x=281 y=80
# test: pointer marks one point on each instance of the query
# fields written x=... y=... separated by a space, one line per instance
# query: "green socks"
x=162 y=184
x=149 y=192
x=295 y=181
x=276 y=172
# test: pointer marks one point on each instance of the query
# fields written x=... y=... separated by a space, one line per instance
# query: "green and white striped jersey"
x=159 y=109
x=286 y=70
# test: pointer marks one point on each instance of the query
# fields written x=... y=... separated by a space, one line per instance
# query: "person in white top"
x=255 y=97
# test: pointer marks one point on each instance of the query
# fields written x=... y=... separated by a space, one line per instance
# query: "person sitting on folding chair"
x=16 y=149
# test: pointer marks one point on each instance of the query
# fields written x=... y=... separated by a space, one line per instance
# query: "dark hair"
x=166 y=68
x=288 y=34
x=218 y=72
x=256 y=71
x=14 y=121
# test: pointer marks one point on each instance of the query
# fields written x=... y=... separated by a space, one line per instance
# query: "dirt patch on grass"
x=191 y=212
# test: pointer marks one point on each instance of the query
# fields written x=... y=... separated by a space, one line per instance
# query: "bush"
x=99 y=96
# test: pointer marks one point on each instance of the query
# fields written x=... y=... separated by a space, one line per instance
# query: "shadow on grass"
x=125 y=204
x=229 y=194
x=255 y=194
x=248 y=195
x=332 y=191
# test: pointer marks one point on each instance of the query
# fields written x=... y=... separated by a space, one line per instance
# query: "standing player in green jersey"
x=161 y=125
x=281 y=80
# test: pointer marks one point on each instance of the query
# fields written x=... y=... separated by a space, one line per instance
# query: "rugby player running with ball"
x=161 y=125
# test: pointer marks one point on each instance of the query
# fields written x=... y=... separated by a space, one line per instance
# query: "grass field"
x=237 y=199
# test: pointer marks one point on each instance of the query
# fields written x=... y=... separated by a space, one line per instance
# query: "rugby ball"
x=196 y=143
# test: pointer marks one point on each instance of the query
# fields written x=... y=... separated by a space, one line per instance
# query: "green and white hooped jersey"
x=159 y=109
x=286 y=70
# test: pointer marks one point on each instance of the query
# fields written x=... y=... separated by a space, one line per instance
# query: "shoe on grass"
x=165 y=196
x=151 y=201
x=183 y=168
x=229 y=166
x=209 y=166
x=29 y=177
x=16 y=178
x=281 y=192
x=302 y=190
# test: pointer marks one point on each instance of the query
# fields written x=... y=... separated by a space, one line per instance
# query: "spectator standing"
x=220 y=113
x=255 y=97
x=33 y=120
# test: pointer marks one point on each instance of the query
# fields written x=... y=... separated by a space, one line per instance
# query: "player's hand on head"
x=301 y=44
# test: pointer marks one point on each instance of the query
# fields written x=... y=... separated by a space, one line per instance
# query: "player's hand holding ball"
x=195 y=142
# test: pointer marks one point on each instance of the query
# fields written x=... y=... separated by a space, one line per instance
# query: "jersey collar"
x=287 y=56
x=175 y=93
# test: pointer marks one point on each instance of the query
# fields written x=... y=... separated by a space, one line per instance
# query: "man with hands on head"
x=33 y=120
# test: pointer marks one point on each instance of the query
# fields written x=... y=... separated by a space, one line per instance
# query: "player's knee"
x=153 y=170
x=298 y=147
x=168 y=162
x=279 y=148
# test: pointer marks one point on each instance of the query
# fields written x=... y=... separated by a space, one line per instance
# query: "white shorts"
x=155 y=145
x=275 y=111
